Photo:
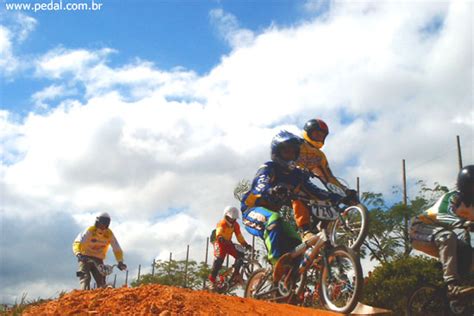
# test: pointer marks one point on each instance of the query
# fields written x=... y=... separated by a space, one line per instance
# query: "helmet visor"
x=230 y=219
x=103 y=222
x=289 y=152
x=318 y=136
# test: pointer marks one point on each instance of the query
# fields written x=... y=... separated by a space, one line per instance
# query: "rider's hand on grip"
x=279 y=193
x=80 y=257
x=248 y=247
x=122 y=266
x=352 y=198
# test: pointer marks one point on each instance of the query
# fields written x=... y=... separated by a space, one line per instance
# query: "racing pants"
x=279 y=237
x=453 y=253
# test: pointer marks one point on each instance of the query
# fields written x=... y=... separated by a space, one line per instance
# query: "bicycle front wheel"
x=350 y=229
x=260 y=285
x=427 y=300
x=341 y=280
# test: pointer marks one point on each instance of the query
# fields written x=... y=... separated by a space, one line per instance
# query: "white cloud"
x=51 y=93
x=228 y=27
x=144 y=141
x=14 y=30
x=61 y=61
x=8 y=62
x=25 y=25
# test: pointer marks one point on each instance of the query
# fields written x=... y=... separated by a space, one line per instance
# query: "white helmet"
x=231 y=212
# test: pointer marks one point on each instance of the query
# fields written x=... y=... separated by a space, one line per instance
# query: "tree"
x=173 y=273
x=388 y=235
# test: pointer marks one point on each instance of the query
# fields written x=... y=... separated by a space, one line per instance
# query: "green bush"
x=391 y=284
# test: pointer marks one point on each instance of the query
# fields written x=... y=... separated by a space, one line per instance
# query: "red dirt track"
x=161 y=300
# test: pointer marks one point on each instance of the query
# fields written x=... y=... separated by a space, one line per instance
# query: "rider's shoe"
x=212 y=283
x=458 y=291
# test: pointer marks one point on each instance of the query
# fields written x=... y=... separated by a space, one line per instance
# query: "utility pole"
x=358 y=187
x=459 y=152
x=405 y=219
x=205 y=261
x=186 y=268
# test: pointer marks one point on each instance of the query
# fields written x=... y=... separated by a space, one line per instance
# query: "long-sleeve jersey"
x=314 y=160
x=94 y=242
x=270 y=175
x=447 y=210
x=226 y=232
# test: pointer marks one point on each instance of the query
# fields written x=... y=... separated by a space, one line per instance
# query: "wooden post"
x=358 y=188
x=169 y=263
x=404 y=183
x=139 y=270
x=405 y=203
x=459 y=152
x=205 y=262
x=126 y=278
x=153 y=268
x=253 y=252
x=186 y=268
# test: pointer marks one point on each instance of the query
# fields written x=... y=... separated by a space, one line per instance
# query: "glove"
x=248 y=247
x=80 y=257
x=122 y=266
x=335 y=198
x=279 y=193
x=351 y=197
x=221 y=240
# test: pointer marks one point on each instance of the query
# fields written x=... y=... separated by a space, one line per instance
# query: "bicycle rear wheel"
x=427 y=300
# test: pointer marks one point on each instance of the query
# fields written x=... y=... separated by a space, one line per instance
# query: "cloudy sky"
x=154 y=110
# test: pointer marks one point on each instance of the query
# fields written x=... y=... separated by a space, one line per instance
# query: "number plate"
x=325 y=212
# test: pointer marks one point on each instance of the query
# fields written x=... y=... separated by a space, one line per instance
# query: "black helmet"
x=103 y=219
x=465 y=184
x=282 y=139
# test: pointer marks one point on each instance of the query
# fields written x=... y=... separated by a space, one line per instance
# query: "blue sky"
x=167 y=33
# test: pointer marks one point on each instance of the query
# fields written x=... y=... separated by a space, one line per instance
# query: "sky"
x=154 y=110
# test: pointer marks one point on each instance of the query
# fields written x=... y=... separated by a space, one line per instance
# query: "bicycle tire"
x=328 y=299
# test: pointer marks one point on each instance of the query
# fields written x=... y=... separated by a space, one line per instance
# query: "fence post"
x=405 y=204
x=186 y=268
x=205 y=262
x=169 y=264
x=115 y=280
x=358 y=188
x=153 y=268
x=253 y=252
x=126 y=278
x=139 y=268
x=227 y=262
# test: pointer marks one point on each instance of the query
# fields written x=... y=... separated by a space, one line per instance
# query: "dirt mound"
x=161 y=300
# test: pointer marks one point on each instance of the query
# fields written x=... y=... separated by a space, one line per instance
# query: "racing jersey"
x=314 y=160
x=226 y=232
x=95 y=242
x=447 y=210
x=270 y=175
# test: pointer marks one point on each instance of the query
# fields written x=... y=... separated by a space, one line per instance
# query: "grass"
x=19 y=307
